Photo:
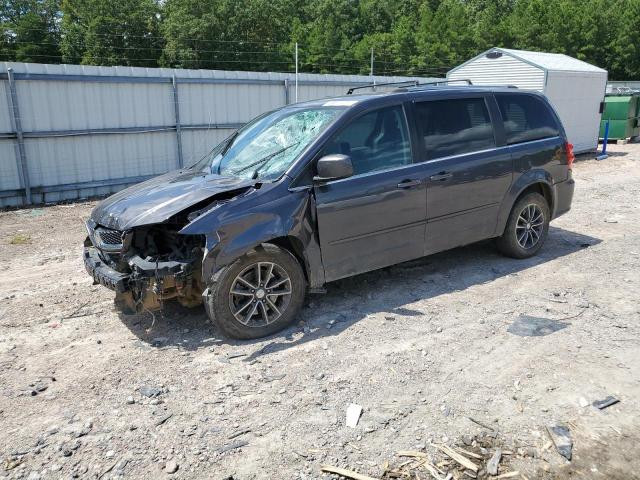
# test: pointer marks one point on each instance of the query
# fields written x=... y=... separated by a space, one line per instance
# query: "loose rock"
x=171 y=466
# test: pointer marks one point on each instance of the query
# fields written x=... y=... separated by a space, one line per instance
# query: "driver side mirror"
x=333 y=167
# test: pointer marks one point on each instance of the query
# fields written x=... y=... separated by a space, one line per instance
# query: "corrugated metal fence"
x=71 y=131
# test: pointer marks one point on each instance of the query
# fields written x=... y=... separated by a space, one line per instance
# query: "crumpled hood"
x=159 y=198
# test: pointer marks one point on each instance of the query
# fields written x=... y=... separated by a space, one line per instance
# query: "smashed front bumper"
x=141 y=269
x=103 y=274
x=147 y=284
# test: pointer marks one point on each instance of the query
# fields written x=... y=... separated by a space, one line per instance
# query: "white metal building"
x=575 y=88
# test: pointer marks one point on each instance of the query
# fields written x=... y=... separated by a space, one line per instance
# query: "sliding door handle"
x=409 y=183
x=441 y=176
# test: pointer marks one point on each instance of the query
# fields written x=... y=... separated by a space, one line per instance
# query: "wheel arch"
x=541 y=188
x=307 y=255
x=295 y=247
x=538 y=181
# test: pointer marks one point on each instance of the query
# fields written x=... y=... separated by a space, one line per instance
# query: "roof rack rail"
x=435 y=83
x=439 y=82
x=373 y=85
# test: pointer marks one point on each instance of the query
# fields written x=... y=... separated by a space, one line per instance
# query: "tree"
x=29 y=31
x=227 y=34
x=330 y=30
x=623 y=52
x=408 y=37
x=444 y=37
x=123 y=32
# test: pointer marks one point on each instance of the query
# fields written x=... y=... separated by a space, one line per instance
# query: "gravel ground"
x=422 y=347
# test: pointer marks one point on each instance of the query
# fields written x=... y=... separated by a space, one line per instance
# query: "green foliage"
x=422 y=37
x=99 y=32
x=227 y=34
x=29 y=31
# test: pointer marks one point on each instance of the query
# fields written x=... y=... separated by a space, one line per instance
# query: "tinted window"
x=375 y=141
x=526 y=118
x=453 y=127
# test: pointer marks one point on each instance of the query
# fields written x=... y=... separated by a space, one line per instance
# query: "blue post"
x=604 y=155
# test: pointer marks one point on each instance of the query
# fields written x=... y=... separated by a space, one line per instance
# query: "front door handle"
x=409 y=183
x=441 y=176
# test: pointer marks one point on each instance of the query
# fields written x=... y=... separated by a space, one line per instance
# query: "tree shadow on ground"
x=348 y=301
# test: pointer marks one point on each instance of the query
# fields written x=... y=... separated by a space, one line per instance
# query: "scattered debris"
x=468 y=453
x=37 y=387
x=346 y=473
x=236 y=355
x=411 y=453
x=11 y=464
x=483 y=425
x=508 y=475
x=232 y=446
x=462 y=460
x=107 y=470
x=528 y=326
x=605 y=403
x=353 y=415
x=163 y=419
x=238 y=433
x=150 y=391
x=76 y=311
x=494 y=462
x=561 y=438
x=272 y=378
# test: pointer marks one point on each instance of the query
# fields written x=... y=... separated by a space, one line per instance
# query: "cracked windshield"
x=267 y=146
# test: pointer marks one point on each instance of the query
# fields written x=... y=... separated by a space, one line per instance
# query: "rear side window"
x=454 y=127
x=526 y=118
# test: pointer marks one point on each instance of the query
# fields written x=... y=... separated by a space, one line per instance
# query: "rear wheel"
x=527 y=227
x=258 y=294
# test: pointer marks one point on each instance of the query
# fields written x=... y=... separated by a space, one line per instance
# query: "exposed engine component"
x=147 y=265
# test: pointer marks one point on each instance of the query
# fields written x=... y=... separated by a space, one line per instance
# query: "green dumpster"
x=622 y=112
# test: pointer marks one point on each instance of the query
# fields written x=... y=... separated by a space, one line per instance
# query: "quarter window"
x=526 y=118
x=375 y=141
x=454 y=127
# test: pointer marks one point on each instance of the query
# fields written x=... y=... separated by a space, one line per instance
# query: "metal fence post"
x=176 y=109
x=23 y=171
x=286 y=91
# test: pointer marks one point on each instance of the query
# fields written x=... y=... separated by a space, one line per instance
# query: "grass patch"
x=20 y=239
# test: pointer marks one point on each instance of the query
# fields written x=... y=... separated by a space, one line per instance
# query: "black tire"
x=219 y=302
x=511 y=243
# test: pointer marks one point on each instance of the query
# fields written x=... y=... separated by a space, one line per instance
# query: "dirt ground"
x=422 y=347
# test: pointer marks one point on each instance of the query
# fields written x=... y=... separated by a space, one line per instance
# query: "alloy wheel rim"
x=260 y=294
x=529 y=226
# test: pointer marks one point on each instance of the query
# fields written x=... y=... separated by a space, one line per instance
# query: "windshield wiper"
x=263 y=160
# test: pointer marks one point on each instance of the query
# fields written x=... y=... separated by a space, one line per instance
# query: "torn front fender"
x=234 y=228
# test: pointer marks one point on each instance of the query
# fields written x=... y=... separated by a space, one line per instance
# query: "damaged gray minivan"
x=322 y=190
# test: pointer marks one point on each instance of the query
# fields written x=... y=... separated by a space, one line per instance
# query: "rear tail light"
x=568 y=147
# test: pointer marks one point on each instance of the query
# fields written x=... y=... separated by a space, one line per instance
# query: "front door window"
x=375 y=141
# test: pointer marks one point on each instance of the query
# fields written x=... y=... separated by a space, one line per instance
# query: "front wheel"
x=258 y=294
x=527 y=227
